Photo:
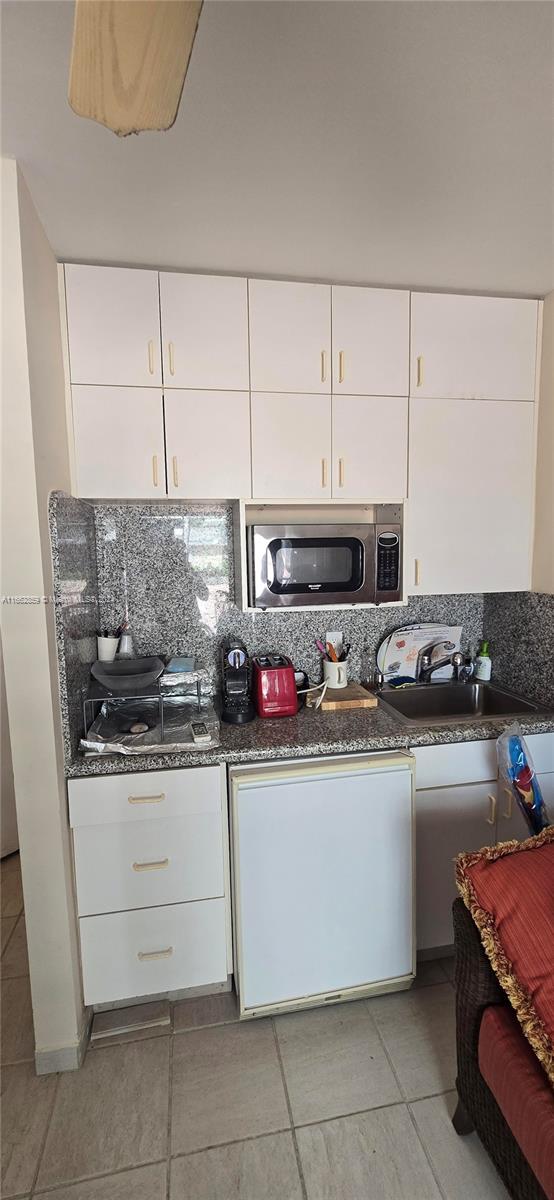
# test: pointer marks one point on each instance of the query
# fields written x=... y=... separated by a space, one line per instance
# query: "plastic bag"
x=518 y=775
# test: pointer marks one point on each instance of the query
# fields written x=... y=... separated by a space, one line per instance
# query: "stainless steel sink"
x=441 y=703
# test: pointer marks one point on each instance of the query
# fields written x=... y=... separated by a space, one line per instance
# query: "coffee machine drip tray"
x=134 y=727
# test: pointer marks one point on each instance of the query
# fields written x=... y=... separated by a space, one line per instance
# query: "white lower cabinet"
x=448 y=820
x=208 y=444
x=291 y=446
x=119 y=442
x=461 y=804
x=151 y=950
x=370 y=447
x=151 y=864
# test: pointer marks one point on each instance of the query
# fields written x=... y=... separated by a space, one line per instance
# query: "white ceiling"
x=389 y=143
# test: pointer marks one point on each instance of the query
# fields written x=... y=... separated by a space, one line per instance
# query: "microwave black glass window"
x=296 y=566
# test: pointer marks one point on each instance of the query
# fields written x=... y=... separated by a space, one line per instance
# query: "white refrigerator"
x=323 y=880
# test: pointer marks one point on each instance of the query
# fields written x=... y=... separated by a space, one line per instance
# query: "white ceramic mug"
x=107 y=647
x=334 y=674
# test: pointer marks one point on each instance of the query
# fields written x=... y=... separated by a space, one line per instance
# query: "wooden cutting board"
x=351 y=696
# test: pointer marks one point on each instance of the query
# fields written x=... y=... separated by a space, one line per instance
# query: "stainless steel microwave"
x=290 y=566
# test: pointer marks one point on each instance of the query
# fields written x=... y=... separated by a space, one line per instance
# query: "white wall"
x=8 y=819
x=543 y=557
x=34 y=462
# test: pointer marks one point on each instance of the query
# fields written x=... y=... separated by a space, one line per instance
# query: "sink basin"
x=437 y=703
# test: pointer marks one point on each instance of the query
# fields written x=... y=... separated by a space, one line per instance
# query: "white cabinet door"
x=208 y=444
x=371 y=341
x=448 y=821
x=119 y=442
x=290 y=336
x=291 y=446
x=473 y=347
x=370 y=447
x=113 y=322
x=511 y=823
x=470 y=488
x=204 y=331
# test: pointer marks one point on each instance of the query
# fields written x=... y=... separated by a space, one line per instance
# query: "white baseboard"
x=65 y=1058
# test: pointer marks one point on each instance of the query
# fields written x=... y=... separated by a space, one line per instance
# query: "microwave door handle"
x=269 y=572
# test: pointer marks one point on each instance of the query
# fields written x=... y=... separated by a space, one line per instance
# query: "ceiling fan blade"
x=129 y=61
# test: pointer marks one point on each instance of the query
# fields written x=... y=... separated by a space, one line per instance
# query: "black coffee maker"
x=236 y=704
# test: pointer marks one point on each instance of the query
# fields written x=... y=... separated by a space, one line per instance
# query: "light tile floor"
x=351 y=1102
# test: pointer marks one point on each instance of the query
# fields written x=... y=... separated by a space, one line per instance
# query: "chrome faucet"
x=426 y=667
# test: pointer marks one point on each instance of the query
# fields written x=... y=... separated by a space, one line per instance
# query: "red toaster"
x=273 y=686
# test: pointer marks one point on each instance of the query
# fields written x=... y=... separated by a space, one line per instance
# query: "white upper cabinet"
x=471 y=484
x=473 y=347
x=291 y=446
x=208 y=444
x=290 y=336
x=119 y=442
x=370 y=447
x=371 y=341
x=204 y=322
x=113 y=322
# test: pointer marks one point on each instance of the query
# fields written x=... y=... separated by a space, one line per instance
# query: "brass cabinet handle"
x=171 y=358
x=341 y=366
x=324 y=472
x=491 y=819
x=508 y=811
x=323 y=366
x=419 y=370
x=341 y=472
x=151 y=356
x=148 y=955
x=160 y=865
x=175 y=471
x=146 y=799
x=155 y=469
x=417 y=572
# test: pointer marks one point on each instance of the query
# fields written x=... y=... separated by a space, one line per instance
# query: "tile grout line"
x=407 y=1102
x=289 y=1108
x=16 y=919
x=169 y=1112
x=53 y=1188
x=426 y=1152
x=55 y=1091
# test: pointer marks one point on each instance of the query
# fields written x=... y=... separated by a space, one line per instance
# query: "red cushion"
x=509 y=890
x=520 y=1089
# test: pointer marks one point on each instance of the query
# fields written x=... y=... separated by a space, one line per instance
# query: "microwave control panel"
x=387 y=575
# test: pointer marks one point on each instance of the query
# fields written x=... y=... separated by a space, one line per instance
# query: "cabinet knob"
x=146 y=799
x=151 y=357
x=417 y=572
x=419 y=381
x=491 y=819
x=323 y=366
x=324 y=472
x=171 y=356
x=341 y=472
x=341 y=366
x=155 y=469
x=175 y=466
x=508 y=810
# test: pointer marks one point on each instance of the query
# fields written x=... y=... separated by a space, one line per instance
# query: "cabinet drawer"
x=113 y=799
x=448 y=765
x=153 y=950
x=142 y=863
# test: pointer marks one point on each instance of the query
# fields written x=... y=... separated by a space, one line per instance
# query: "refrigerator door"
x=323 y=879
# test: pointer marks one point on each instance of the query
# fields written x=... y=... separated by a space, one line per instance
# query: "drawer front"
x=147 y=794
x=142 y=863
x=153 y=950
x=461 y=762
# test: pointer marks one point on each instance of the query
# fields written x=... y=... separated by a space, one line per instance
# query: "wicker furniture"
x=476 y=989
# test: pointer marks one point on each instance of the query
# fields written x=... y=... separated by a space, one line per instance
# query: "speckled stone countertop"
x=308 y=734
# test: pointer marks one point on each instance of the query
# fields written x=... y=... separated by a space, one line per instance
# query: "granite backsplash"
x=169 y=568
x=520 y=626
